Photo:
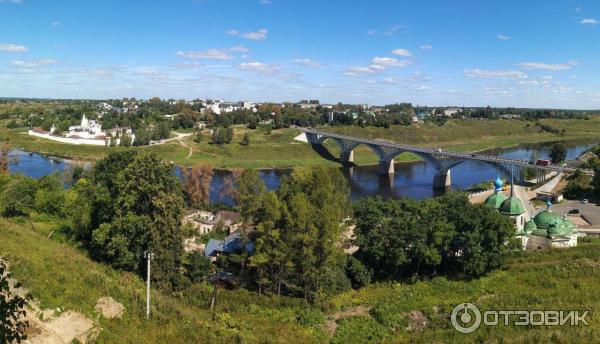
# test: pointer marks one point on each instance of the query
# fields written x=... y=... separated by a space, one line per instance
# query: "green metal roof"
x=512 y=207
x=545 y=219
x=552 y=224
x=530 y=226
x=495 y=200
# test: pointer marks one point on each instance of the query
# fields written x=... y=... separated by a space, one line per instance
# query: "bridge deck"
x=440 y=152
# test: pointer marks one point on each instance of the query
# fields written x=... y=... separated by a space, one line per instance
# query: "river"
x=411 y=179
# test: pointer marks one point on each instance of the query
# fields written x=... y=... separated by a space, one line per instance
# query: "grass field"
x=60 y=275
x=277 y=149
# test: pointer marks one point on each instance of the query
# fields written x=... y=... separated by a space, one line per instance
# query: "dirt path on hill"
x=190 y=150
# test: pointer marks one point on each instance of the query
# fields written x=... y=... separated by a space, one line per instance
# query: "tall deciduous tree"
x=297 y=241
x=197 y=184
x=408 y=238
x=558 y=153
x=147 y=204
x=249 y=189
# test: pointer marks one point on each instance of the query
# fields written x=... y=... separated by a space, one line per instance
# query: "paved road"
x=550 y=185
x=590 y=211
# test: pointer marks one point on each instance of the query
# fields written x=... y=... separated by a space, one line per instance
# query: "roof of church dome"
x=512 y=207
x=495 y=200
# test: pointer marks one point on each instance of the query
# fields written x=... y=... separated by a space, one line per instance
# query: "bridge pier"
x=386 y=166
x=347 y=157
x=442 y=180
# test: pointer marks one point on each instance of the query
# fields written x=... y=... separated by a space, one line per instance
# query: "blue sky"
x=471 y=53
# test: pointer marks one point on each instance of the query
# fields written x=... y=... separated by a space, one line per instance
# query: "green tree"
x=249 y=189
x=408 y=238
x=50 y=195
x=197 y=267
x=578 y=185
x=558 y=153
x=271 y=253
x=145 y=204
x=13 y=326
x=316 y=201
x=18 y=196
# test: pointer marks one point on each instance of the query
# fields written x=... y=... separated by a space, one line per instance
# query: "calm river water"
x=411 y=179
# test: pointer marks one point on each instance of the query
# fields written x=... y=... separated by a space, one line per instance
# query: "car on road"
x=584 y=201
x=574 y=211
x=473 y=155
x=439 y=150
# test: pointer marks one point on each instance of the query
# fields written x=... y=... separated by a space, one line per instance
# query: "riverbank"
x=278 y=149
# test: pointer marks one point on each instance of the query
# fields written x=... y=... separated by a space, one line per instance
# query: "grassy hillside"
x=277 y=148
x=60 y=275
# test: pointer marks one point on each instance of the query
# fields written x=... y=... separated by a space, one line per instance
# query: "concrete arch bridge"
x=442 y=160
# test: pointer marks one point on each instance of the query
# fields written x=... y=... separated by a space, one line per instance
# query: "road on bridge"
x=440 y=152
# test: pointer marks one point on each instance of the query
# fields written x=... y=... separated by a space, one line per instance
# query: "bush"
x=359 y=330
x=198 y=267
x=310 y=317
x=359 y=275
x=18 y=196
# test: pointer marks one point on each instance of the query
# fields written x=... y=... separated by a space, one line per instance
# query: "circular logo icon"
x=466 y=318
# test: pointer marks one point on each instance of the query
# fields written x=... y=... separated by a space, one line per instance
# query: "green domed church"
x=545 y=230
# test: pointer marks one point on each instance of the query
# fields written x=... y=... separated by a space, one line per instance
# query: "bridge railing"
x=437 y=151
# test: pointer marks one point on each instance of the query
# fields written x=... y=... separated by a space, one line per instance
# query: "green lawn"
x=59 y=275
x=277 y=149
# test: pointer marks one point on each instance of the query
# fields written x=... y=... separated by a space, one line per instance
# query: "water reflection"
x=413 y=180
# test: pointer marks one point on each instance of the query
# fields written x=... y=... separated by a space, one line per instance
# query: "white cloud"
x=547 y=77
x=307 y=62
x=589 y=21
x=361 y=70
x=371 y=32
x=13 y=48
x=426 y=47
x=265 y=2
x=376 y=67
x=378 y=64
x=402 y=52
x=12 y=1
x=259 y=67
x=391 y=80
x=214 y=54
x=391 y=31
x=503 y=37
x=479 y=73
x=253 y=35
x=211 y=54
x=390 y=62
x=55 y=23
x=257 y=35
x=33 y=63
x=547 y=66
x=239 y=49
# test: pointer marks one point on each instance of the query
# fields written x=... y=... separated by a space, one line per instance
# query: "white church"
x=89 y=132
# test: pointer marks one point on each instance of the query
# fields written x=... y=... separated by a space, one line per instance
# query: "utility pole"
x=149 y=256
